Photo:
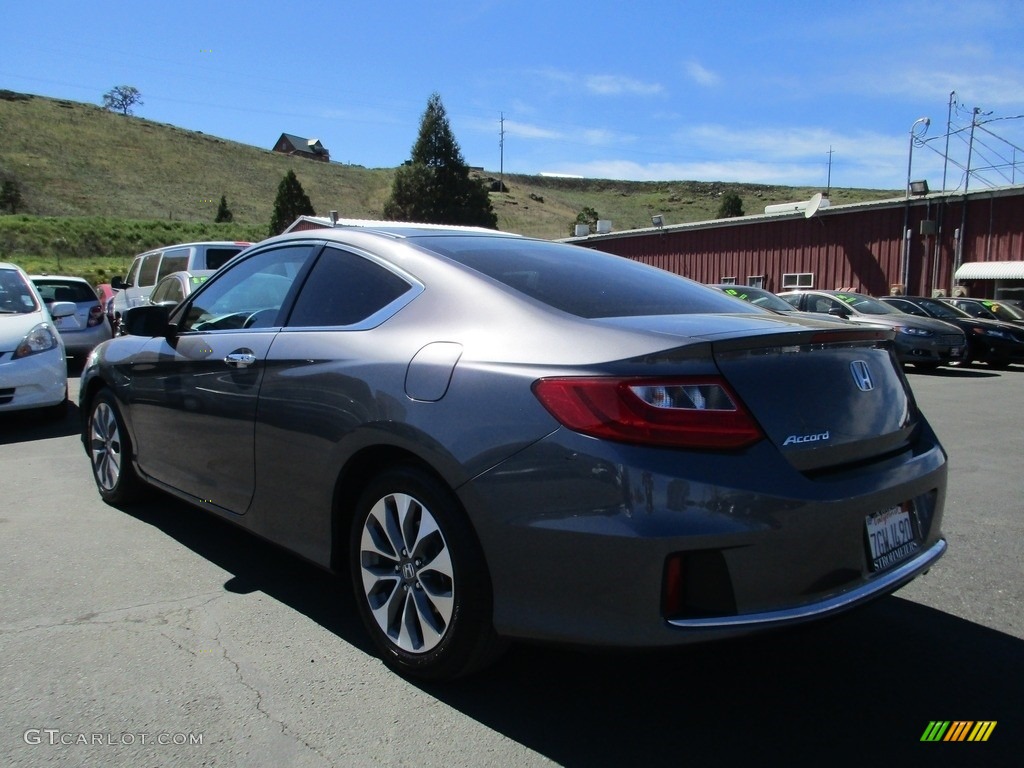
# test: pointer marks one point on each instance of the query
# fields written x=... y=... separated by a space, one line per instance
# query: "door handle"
x=240 y=358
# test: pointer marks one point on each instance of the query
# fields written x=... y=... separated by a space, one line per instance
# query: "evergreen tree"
x=434 y=186
x=224 y=214
x=291 y=202
x=10 y=196
x=731 y=206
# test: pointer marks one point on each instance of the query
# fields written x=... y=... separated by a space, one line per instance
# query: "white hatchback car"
x=33 y=370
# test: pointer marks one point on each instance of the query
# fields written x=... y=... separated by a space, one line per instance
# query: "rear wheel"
x=110 y=452
x=420 y=578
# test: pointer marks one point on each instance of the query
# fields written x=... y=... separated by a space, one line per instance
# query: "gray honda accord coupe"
x=501 y=438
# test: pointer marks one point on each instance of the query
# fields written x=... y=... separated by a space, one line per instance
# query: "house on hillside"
x=289 y=144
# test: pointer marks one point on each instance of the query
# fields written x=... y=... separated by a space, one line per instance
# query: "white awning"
x=991 y=270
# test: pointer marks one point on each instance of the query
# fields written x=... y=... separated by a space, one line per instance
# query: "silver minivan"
x=147 y=268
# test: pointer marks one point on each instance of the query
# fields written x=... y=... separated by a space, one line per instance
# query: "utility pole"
x=501 y=152
x=828 y=184
x=949 y=123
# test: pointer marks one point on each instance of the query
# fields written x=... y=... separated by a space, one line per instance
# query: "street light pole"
x=905 y=233
x=915 y=137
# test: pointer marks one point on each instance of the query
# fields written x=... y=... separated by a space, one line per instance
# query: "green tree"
x=291 y=202
x=121 y=98
x=10 y=196
x=587 y=216
x=434 y=186
x=731 y=206
x=224 y=214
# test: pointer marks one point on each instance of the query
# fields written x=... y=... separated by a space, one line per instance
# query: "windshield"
x=941 y=310
x=16 y=298
x=1004 y=311
x=867 y=305
x=580 y=281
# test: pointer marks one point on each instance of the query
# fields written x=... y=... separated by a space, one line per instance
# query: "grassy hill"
x=132 y=184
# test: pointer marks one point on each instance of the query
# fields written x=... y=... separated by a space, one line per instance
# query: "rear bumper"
x=581 y=535
x=884 y=584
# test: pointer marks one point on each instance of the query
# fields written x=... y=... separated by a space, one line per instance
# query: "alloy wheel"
x=407 y=574
x=105 y=447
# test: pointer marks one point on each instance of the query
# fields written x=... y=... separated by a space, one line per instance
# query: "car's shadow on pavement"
x=957 y=372
x=857 y=690
x=27 y=426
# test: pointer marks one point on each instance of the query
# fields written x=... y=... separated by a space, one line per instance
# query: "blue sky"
x=651 y=91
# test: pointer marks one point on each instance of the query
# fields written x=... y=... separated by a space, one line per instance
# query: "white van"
x=147 y=268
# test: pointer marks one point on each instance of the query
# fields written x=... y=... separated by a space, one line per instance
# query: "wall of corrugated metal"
x=860 y=248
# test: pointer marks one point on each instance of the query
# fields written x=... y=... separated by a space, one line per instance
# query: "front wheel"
x=110 y=452
x=420 y=578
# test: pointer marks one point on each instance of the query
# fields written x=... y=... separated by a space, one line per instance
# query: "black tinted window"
x=344 y=289
x=218 y=257
x=581 y=281
x=147 y=272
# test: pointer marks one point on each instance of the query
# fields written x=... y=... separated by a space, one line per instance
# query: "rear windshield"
x=580 y=281
x=51 y=290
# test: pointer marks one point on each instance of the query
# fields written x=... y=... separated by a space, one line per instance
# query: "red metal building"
x=923 y=245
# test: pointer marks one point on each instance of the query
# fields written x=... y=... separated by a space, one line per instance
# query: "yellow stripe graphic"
x=982 y=730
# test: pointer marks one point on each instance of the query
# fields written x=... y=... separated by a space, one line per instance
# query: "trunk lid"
x=824 y=397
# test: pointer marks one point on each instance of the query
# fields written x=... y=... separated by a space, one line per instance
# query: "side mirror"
x=117 y=283
x=62 y=309
x=838 y=312
x=146 y=320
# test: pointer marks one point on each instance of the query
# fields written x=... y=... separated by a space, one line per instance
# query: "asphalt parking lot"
x=163 y=636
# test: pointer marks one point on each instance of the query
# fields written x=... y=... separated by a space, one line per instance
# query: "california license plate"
x=891 y=536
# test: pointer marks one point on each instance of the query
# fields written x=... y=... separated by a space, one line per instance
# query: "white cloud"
x=701 y=75
x=614 y=85
x=528 y=131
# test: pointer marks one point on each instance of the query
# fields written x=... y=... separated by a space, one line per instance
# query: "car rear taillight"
x=95 y=316
x=700 y=412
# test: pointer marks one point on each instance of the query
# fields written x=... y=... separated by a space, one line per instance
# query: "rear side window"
x=344 y=289
x=218 y=257
x=581 y=281
x=173 y=261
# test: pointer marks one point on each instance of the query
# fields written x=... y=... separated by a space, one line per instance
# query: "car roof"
x=395 y=230
x=60 y=277
x=189 y=273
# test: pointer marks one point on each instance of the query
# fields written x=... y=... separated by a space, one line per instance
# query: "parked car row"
x=47 y=320
x=989 y=340
x=928 y=332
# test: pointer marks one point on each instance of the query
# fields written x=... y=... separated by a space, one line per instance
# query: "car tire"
x=420 y=580
x=110 y=452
